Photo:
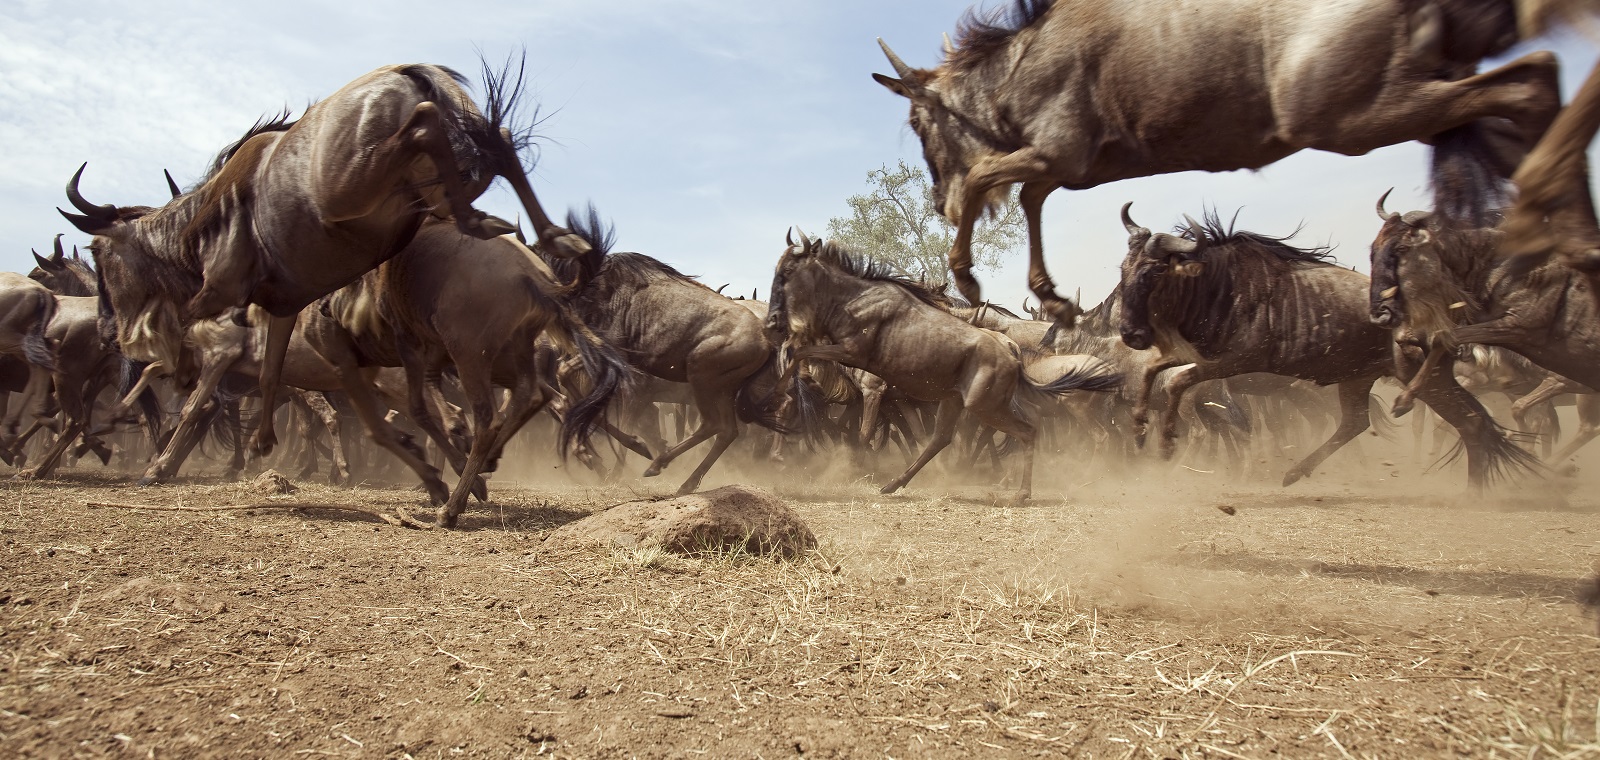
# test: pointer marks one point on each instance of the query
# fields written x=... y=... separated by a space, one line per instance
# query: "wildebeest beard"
x=1428 y=287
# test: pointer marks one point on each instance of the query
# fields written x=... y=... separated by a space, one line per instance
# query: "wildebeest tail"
x=1503 y=456
x=128 y=373
x=37 y=348
x=1472 y=166
x=1090 y=377
x=608 y=373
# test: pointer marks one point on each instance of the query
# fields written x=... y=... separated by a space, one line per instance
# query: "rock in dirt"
x=272 y=483
x=728 y=518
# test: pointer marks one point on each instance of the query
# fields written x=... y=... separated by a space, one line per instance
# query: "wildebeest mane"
x=279 y=122
x=1227 y=238
x=861 y=265
x=599 y=234
x=982 y=32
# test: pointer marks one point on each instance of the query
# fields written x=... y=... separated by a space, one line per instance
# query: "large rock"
x=729 y=518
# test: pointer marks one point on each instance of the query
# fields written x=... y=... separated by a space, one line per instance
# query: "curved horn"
x=804 y=238
x=172 y=184
x=724 y=287
x=900 y=67
x=788 y=238
x=949 y=47
x=1383 y=213
x=97 y=213
x=1194 y=227
x=59 y=254
x=1127 y=220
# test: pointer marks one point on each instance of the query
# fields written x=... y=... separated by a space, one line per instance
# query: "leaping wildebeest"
x=298 y=209
x=831 y=304
x=1076 y=94
x=1229 y=303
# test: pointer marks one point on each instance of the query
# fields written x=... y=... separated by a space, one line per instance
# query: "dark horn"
x=788 y=238
x=59 y=254
x=900 y=67
x=805 y=240
x=1382 y=212
x=172 y=184
x=97 y=213
x=1127 y=220
x=1194 y=227
x=724 y=287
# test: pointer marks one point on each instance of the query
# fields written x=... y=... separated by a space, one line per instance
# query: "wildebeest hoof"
x=1402 y=405
x=446 y=518
x=480 y=490
x=1292 y=477
x=437 y=493
x=653 y=471
x=147 y=481
x=889 y=489
x=28 y=474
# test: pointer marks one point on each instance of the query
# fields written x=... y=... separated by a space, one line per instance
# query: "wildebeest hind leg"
x=943 y=431
x=1353 y=421
x=371 y=413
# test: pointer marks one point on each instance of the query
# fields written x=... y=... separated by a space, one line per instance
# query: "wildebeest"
x=26 y=308
x=1441 y=278
x=297 y=209
x=1078 y=94
x=832 y=304
x=451 y=299
x=64 y=276
x=1228 y=303
x=668 y=325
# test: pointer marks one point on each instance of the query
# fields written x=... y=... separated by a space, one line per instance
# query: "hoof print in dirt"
x=733 y=518
x=272 y=483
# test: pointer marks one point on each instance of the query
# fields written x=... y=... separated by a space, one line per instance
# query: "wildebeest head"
x=1402 y=252
x=795 y=256
x=952 y=142
x=151 y=322
x=1151 y=257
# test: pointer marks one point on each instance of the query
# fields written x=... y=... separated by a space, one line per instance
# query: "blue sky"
x=702 y=128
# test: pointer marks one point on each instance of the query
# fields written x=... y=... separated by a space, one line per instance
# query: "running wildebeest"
x=1228 y=303
x=26 y=308
x=450 y=299
x=1078 y=94
x=670 y=326
x=1440 y=278
x=831 y=304
x=298 y=209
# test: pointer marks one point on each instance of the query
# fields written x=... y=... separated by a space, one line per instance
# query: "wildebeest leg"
x=1062 y=310
x=473 y=369
x=1553 y=183
x=1403 y=403
x=371 y=413
x=1588 y=426
x=279 y=330
x=319 y=405
x=1353 y=421
x=307 y=453
x=627 y=441
x=1141 y=404
x=1178 y=384
x=214 y=366
x=981 y=180
x=76 y=406
x=422 y=380
x=232 y=419
x=944 y=429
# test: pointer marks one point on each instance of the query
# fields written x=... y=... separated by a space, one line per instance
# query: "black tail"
x=608 y=372
x=1472 y=166
x=1503 y=456
x=36 y=347
x=600 y=236
x=128 y=373
x=1024 y=403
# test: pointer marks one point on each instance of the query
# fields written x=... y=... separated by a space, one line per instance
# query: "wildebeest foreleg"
x=1141 y=404
x=371 y=413
x=1353 y=421
x=488 y=427
x=944 y=430
x=1588 y=426
x=279 y=330
x=981 y=180
x=319 y=406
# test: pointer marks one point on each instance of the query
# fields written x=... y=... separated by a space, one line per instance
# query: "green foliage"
x=897 y=221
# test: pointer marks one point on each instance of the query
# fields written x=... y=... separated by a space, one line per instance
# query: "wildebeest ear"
x=899 y=87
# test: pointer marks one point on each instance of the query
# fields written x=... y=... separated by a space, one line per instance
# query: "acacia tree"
x=897 y=221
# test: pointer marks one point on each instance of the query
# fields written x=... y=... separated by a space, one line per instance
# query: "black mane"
x=1218 y=236
x=267 y=123
x=861 y=265
x=981 y=32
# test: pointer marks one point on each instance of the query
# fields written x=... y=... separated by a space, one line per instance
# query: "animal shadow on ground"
x=1432 y=582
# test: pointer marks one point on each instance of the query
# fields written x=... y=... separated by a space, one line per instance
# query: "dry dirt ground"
x=1150 y=611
